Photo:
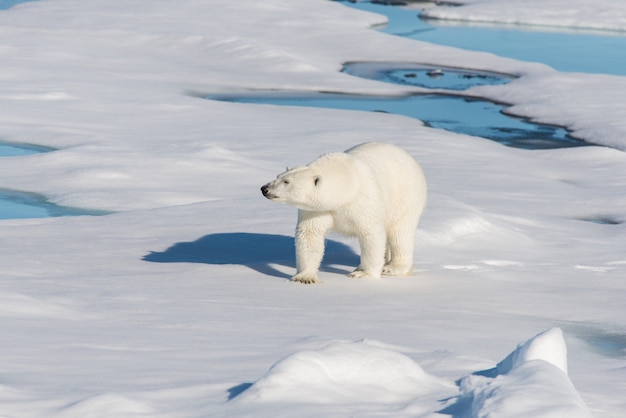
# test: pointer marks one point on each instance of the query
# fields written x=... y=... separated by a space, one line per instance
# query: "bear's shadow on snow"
x=259 y=252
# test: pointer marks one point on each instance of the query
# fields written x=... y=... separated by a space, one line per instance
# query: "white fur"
x=373 y=191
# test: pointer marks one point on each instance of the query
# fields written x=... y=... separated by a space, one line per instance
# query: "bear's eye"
x=286 y=181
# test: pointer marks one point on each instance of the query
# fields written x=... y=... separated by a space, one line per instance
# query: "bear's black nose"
x=264 y=190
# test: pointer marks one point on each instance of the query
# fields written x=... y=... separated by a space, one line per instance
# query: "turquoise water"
x=574 y=51
x=20 y=205
x=439 y=111
x=5 y=4
x=15 y=150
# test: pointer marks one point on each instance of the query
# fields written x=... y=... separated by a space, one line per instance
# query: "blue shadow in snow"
x=256 y=251
x=238 y=390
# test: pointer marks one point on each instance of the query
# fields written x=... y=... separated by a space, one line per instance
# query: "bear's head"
x=324 y=185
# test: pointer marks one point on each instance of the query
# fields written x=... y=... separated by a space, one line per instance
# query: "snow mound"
x=345 y=372
x=548 y=346
x=532 y=381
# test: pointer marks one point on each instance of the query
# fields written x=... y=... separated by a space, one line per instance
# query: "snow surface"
x=605 y=15
x=178 y=303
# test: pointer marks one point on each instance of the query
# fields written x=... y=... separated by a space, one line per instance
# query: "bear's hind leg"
x=372 y=255
x=400 y=245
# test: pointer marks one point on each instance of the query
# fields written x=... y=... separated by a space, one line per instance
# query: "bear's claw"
x=304 y=278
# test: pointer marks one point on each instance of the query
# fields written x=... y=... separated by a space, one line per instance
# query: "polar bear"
x=373 y=191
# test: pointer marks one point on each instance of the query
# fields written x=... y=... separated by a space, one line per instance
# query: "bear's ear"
x=317 y=180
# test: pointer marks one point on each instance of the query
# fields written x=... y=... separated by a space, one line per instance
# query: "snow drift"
x=531 y=381
x=345 y=372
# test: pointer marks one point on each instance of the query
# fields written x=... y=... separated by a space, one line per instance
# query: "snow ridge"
x=531 y=381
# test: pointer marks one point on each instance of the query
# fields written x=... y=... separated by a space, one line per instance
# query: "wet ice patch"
x=345 y=372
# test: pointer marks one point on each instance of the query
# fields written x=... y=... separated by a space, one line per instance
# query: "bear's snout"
x=265 y=190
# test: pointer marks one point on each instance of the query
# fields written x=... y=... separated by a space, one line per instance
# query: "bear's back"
x=400 y=178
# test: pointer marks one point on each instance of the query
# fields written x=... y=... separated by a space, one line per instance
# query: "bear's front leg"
x=373 y=247
x=310 y=235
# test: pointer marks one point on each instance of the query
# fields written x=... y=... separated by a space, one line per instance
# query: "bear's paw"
x=305 y=278
x=361 y=274
x=394 y=270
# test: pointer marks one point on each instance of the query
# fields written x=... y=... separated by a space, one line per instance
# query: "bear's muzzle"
x=266 y=191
